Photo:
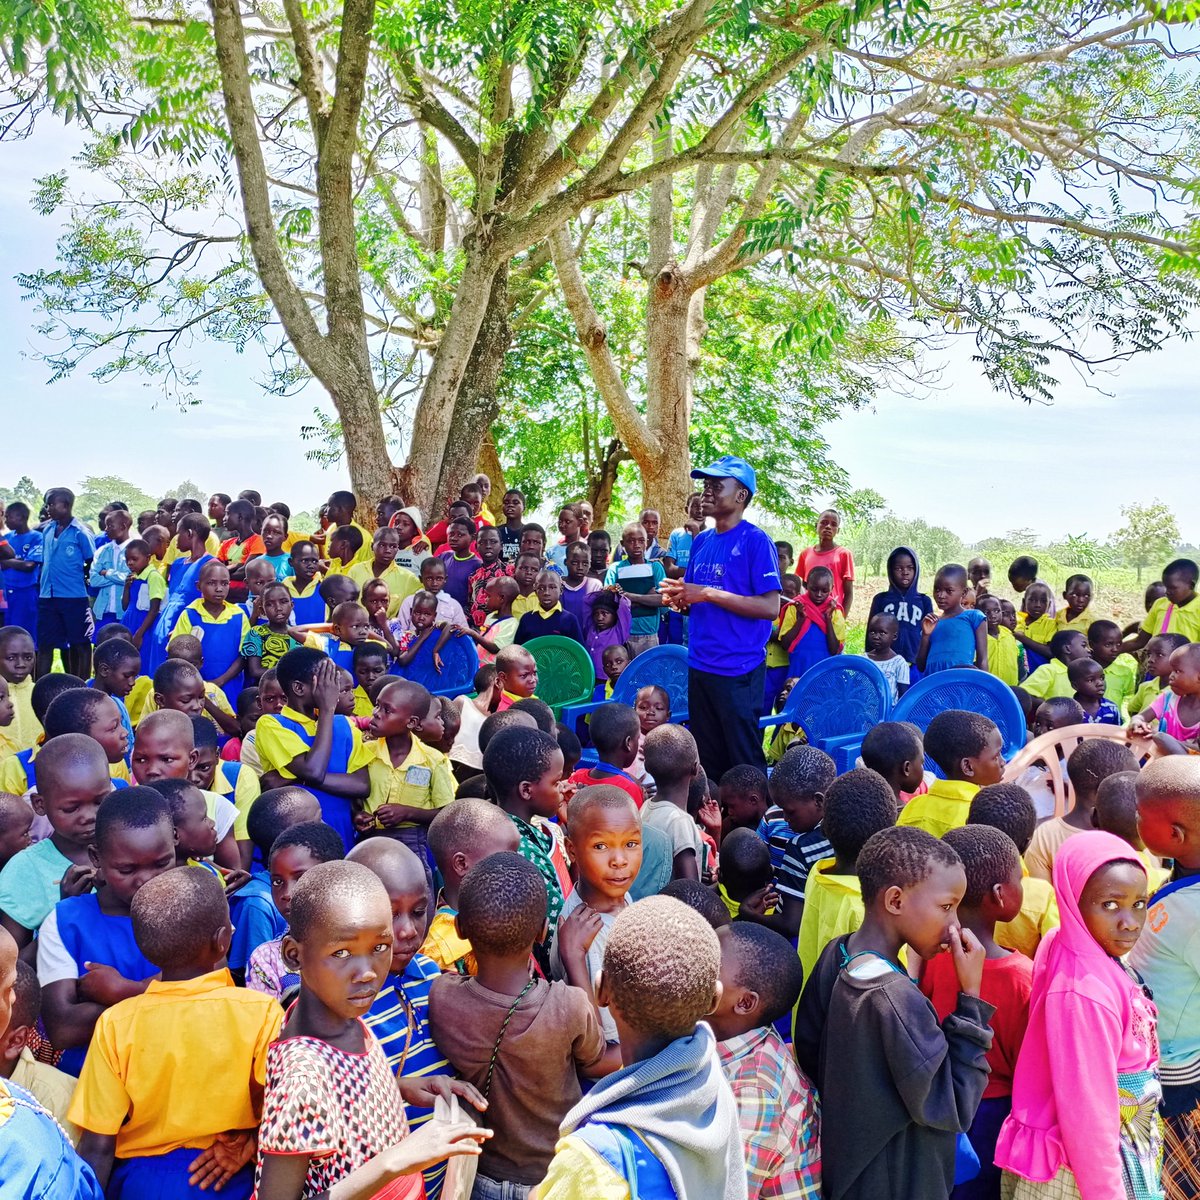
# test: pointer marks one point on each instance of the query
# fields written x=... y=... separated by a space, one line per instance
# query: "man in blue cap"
x=731 y=594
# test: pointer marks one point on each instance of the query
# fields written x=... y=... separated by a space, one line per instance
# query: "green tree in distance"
x=1148 y=536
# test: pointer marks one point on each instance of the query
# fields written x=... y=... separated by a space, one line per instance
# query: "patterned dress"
x=341 y=1108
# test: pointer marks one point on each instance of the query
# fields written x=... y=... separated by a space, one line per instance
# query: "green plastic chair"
x=566 y=674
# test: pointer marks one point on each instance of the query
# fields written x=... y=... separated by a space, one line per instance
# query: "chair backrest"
x=665 y=666
x=566 y=673
x=1051 y=750
x=841 y=695
x=971 y=691
x=460 y=661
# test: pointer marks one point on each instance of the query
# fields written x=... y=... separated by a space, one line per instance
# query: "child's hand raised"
x=78 y=879
x=969 y=955
x=710 y=818
x=434 y=1142
x=759 y=903
x=928 y=623
x=577 y=933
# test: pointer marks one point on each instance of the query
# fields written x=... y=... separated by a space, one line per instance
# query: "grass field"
x=1117 y=595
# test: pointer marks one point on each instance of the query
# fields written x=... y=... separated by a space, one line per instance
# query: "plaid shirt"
x=779 y=1115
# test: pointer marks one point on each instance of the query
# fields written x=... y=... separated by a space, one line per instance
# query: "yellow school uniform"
x=13 y=778
x=944 y=807
x=211 y=546
x=8 y=745
x=362 y=703
x=365 y=553
x=1121 y=681
x=1078 y=625
x=1049 y=680
x=1004 y=652
x=833 y=905
x=1144 y=696
x=1038 y=915
x=422 y=780
x=25 y=728
x=443 y=944
x=299 y=593
x=156 y=589
x=1165 y=617
x=211 y=692
x=1040 y=631
x=247 y=789
x=400 y=583
x=277 y=746
x=788 y=622
x=120 y=770
x=150 y=1100
x=135 y=703
x=194 y=625
x=523 y=604
x=50 y=1087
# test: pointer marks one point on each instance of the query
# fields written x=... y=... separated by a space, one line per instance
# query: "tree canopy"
x=719 y=221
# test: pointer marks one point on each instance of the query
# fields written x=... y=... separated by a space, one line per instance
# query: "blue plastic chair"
x=665 y=666
x=970 y=690
x=460 y=661
x=835 y=702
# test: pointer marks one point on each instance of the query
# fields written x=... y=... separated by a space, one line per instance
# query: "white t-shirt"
x=681 y=830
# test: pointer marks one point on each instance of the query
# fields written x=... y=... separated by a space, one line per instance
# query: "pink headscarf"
x=1087 y=1020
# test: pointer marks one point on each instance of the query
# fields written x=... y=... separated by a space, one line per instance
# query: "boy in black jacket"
x=899 y=1087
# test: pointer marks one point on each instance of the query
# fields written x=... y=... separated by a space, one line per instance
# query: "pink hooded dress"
x=1085 y=1091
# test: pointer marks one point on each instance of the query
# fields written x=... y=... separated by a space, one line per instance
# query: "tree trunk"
x=421 y=480
x=669 y=319
x=600 y=487
x=476 y=408
x=490 y=465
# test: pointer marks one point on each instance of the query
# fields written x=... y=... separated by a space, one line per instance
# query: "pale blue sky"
x=957 y=455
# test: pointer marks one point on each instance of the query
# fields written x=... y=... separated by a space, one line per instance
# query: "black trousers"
x=723 y=712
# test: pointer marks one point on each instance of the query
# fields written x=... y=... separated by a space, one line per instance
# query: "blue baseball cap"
x=729 y=466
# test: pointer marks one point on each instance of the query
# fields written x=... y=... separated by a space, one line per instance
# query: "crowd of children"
x=279 y=921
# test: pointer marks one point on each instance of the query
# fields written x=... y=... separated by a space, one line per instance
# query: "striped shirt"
x=399 y=1018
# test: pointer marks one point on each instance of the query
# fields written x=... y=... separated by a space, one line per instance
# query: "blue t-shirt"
x=952 y=643
x=743 y=562
x=65 y=555
x=679 y=546
x=28 y=548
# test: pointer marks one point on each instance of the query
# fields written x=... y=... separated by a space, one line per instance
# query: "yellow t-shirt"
x=1183 y=618
x=444 y=945
x=7 y=745
x=1144 y=696
x=577 y=1172
x=1038 y=915
x=1003 y=656
x=277 y=746
x=1079 y=625
x=833 y=905
x=1040 y=631
x=247 y=789
x=1121 y=681
x=944 y=807
x=788 y=622
x=362 y=703
x=25 y=728
x=13 y=777
x=211 y=692
x=400 y=583
x=155 y=1102
x=422 y=780
x=523 y=604
x=365 y=553
x=1049 y=680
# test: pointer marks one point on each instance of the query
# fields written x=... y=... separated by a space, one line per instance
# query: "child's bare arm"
x=148 y=624
x=847 y=596
x=928 y=624
x=235 y=669
x=685 y=866
x=406 y=656
x=228 y=723
x=981 y=646
x=98 y=1150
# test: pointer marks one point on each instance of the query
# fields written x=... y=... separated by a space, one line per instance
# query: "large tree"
x=400 y=174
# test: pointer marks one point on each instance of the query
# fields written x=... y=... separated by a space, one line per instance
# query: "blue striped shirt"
x=403 y=1004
